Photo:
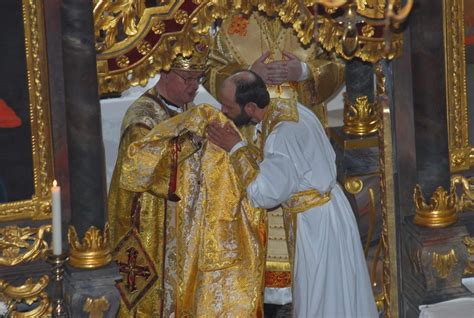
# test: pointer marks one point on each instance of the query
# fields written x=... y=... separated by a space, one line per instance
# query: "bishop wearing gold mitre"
x=185 y=242
x=290 y=70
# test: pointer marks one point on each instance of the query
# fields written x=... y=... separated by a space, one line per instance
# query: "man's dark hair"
x=251 y=89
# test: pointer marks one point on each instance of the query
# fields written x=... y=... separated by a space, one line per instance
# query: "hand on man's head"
x=277 y=72
x=260 y=67
x=293 y=66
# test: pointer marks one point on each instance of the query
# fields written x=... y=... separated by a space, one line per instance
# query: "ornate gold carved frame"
x=154 y=36
x=461 y=152
x=39 y=206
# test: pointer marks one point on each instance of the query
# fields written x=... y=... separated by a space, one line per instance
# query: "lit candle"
x=57 y=233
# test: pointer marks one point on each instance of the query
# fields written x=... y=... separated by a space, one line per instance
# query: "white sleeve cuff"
x=237 y=146
x=304 y=72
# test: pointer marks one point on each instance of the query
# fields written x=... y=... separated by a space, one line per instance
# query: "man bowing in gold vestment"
x=291 y=71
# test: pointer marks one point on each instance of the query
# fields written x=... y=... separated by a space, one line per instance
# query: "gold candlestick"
x=57 y=262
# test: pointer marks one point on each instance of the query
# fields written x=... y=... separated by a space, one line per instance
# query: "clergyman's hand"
x=287 y=70
x=225 y=137
x=260 y=67
x=294 y=69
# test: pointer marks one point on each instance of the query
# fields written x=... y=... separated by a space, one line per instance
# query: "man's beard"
x=241 y=119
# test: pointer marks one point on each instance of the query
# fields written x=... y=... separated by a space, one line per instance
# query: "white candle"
x=57 y=232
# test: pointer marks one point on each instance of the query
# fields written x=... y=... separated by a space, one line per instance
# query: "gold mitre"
x=197 y=61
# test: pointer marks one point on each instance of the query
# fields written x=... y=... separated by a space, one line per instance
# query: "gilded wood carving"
x=134 y=41
x=461 y=151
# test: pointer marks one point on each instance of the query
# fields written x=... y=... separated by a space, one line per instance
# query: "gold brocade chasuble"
x=215 y=241
x=137 y=219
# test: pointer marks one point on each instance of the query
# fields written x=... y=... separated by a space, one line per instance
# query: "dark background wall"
x=429 y=95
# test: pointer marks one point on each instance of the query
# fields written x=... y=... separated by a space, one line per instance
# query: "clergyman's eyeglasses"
x=189 y=80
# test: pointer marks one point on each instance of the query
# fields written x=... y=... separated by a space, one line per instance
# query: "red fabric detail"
x=8 y=118
x=172 y=196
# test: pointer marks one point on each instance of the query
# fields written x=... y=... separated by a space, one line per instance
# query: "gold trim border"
x=39 y=207
x=461 y=152
x=387 y=195
x=389 y=228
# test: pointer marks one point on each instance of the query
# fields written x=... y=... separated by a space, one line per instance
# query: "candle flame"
x=55 y=183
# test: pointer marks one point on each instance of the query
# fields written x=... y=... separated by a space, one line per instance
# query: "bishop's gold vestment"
x=218 y=239
x=137 y=219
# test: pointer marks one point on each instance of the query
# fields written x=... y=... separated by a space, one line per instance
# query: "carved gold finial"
x=441 y=211
x=469 y=242
x=360 y=118
x=94 y=251
x=444 y=263
x=96 y=307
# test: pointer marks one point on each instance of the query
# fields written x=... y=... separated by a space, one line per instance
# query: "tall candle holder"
x=57 y=263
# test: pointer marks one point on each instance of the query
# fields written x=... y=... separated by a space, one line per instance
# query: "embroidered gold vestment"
x=135 y=219
x=215 y=241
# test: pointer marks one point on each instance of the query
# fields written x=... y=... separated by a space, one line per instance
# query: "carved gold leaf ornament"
x=94 y=251
x=158 y=27
x=461 y=149
x=144 y=47
x=30 y=293
x=464 y=202
x=22 y=245
x=181 y=17
x=444 y=206
x=444 y=263
x=360 y=118
x=469 y=242
x=194 y=18
x=96 y=307
x=368 y=30
x=109 y=16
x=440 y=212
x=123 y=61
